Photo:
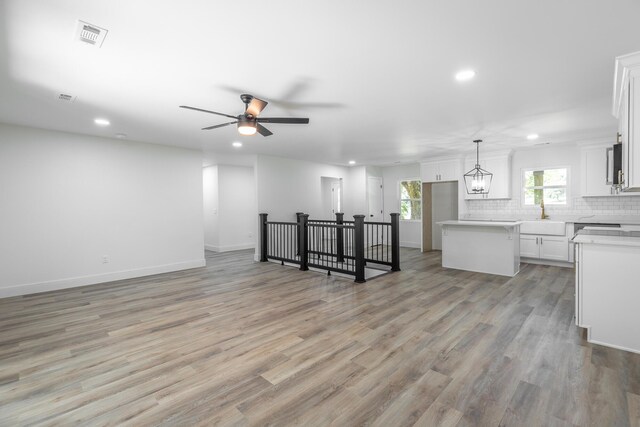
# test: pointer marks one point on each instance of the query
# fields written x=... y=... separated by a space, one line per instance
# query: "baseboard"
x=73 y=282
x=547 y=262
x=230 y=247
x=618 y=347
x=415 y=245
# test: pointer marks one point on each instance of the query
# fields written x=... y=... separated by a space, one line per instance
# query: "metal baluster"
x=377 y=242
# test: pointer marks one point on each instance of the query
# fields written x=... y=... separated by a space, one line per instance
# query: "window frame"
x=567 y=187
x=400 y=199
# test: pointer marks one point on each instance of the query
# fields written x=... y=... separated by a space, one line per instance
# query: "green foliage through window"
x=549 y=185
x=411 y=200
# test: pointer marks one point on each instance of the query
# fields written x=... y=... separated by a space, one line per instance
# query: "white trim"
x=497 y=154
x=553 y=205
x=230 y=248
x=439 y=159
x=623 y=66
x=400 y=199
x=72 y=282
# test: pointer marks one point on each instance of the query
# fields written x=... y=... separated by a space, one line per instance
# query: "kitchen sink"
x=543 y=226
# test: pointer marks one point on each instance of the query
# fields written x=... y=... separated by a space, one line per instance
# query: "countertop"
x=481 y=223
x=614 y=237
x=591 y=219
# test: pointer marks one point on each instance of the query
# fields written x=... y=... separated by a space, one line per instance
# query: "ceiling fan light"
x=246 y=128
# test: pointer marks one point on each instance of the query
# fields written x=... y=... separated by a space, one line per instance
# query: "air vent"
x=90 y=34
x=66 y=97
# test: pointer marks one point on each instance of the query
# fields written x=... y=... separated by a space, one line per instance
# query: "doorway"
x=331 y=191
x=444 y=207
x=439 y=203
x=374 y=198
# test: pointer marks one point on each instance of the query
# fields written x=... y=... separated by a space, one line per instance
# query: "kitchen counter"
x=484 y=223
x=591 y=219
x=484 y=246
x=615 y=237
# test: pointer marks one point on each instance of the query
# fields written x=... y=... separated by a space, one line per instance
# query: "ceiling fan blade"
x=256 y=106
x=219 y=126
x=285 y=120
x=263 y=130
x=208 y=111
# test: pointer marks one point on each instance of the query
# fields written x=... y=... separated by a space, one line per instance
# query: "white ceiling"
x=385 y=69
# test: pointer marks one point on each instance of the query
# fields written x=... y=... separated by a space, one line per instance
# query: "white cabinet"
x=500 y=166
x=594 y=174
x=441 y=170
x=529 y=246
x=554 y=248
x=626 y=109
x=607 y=293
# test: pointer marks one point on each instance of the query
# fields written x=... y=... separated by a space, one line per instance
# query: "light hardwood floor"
x=244 y=343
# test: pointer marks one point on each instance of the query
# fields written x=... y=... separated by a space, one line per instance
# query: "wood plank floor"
x=244 y=343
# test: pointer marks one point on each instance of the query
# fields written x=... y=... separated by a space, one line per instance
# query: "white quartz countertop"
x=608 y=236
x=607 y=240
x=474 y=223
x=591 y=219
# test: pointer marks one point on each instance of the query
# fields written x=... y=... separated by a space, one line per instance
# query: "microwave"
x=614 y=165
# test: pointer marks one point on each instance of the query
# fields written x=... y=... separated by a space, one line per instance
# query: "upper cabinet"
x=596 y=170
x=626 y=108
x=499 y=164
x=441 y=170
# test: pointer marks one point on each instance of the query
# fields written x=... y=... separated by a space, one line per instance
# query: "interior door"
x=336 y=196
x=374 y=198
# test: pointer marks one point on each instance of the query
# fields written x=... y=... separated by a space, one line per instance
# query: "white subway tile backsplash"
x=612 y=206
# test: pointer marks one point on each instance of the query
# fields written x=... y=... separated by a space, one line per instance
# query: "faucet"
x=542 y=214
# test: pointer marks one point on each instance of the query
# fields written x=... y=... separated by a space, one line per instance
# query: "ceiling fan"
x=249 y=123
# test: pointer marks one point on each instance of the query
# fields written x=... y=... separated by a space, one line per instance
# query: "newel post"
x=340 y=237
x=395 y=242
x=358 y=236
x=298 y=232
x=303 y=241
x=264 y=237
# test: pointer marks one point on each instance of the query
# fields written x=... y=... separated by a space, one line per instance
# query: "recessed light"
x=352 y=162
x=532 y=136
x=465 y=75
x=102 y=122
x=237 y=144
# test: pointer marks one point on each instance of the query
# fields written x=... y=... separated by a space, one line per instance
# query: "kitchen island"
x=607 y=286
x=484 y=246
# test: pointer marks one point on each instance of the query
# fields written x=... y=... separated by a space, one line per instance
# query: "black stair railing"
x=332 y=245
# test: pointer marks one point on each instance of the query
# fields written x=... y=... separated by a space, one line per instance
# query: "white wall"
x=356 y=193
x=287 y=186
x=69 y=200
x=210 y=203
x=237 y=208
x=410 y=231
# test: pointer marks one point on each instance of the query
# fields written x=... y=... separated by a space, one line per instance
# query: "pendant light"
x=478 y=180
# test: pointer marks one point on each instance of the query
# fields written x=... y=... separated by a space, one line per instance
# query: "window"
x=411 y=200
x=549 y=185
